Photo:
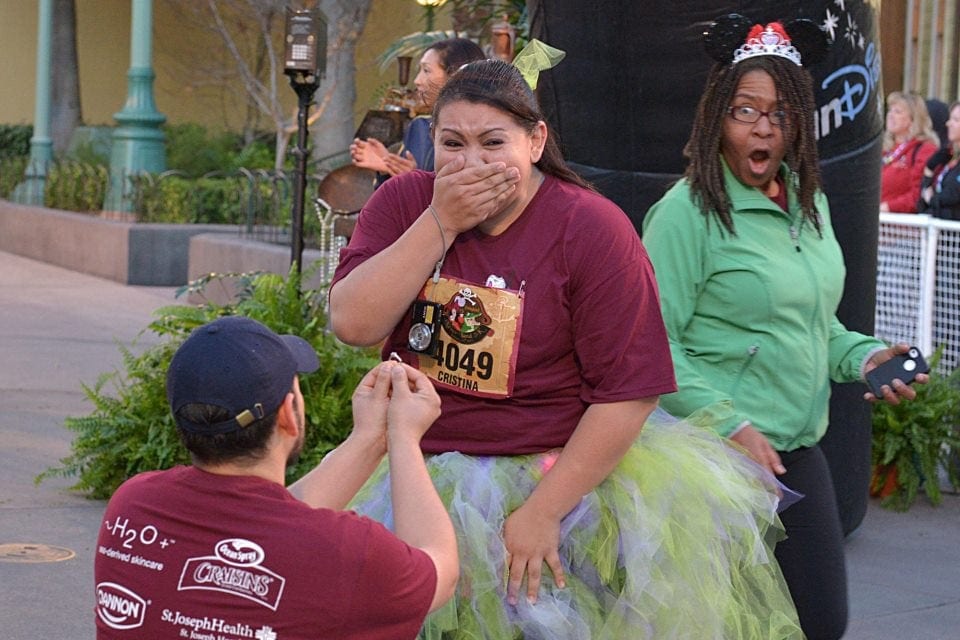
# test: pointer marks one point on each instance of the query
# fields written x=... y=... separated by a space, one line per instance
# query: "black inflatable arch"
x=623 y=102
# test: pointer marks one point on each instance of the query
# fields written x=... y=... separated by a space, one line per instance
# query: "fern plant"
x=131 y=430
x=915 y=440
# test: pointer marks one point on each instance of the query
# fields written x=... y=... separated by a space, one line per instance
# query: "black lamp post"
x=305 y=60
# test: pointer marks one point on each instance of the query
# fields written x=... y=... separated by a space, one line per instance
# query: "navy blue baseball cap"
x=238 y=364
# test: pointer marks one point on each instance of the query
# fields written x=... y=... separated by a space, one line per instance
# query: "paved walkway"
x=59 y=329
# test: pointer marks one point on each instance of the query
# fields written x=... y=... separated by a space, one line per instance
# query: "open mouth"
x=759 y=161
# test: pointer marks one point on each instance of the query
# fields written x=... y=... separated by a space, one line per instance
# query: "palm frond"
x=413 y=44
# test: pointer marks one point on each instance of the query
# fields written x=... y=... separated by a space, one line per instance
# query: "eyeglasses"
x=749 y=115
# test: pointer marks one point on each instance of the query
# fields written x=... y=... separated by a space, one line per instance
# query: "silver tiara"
x=770 y=40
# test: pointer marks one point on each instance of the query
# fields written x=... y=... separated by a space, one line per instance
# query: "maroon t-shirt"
x=187 y=554
x=591 y=328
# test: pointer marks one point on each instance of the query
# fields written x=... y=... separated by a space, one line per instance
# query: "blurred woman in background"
x=437 y=64
x=908 y=142
x=940 y=189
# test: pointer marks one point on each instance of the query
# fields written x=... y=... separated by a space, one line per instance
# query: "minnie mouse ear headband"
x=733 y=38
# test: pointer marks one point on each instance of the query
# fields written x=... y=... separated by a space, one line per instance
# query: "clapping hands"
x=372 y=154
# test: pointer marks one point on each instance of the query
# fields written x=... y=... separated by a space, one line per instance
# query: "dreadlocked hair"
x=705 y=169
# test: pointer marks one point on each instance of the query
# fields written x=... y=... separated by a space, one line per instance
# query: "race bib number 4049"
x=479 y=338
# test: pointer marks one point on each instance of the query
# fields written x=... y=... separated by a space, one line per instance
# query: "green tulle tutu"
x=676 y=543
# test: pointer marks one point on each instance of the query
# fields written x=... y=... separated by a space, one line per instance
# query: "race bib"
x=479 y=338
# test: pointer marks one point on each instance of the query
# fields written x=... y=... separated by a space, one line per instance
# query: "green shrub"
x=15 y=140
x=194 y=151
x=14 y=155
x=177 y=199
x=131 y=430
x=166 y=199
x=89 y=152
x=256 y=155
x=203 y=184
x=218 y=200
x=11 y=174
x=75 y=186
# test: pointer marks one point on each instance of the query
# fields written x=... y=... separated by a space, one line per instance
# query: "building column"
x=138 y=142
x=30 y=191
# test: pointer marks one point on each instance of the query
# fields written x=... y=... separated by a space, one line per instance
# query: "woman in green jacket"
x=750 y=277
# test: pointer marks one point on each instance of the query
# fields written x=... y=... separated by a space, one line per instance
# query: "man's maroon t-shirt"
x=188 y=554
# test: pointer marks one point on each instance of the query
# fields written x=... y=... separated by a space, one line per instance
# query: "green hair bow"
x=535 y=57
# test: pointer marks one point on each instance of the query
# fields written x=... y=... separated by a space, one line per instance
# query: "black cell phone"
x=905 y=366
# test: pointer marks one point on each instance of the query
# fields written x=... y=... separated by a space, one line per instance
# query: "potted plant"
x=914 y=441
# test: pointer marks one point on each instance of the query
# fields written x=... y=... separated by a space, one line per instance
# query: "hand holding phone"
x=903 y=366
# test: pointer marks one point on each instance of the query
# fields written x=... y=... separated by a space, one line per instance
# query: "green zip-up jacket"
x=752 y=317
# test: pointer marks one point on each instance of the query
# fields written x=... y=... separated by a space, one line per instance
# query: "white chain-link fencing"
x=918 y=284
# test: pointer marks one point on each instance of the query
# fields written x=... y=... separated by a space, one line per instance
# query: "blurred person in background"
x=940 y=188
x=437 y=64
x=908 y=142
